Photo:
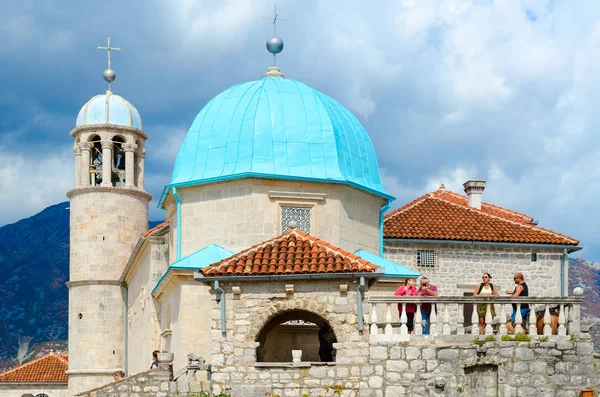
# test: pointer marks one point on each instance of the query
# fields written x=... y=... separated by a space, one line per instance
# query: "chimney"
x=474 y=188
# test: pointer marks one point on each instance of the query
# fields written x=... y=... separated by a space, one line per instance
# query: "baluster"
x=418 y=321
x=562 y=330
x=518 y=320
x=533 y=321
x=388 y=320
x=433 y=320
x=460 y=323
x=488 y=319
x=547 y=328
x=474 y=321
x=374 y=329
x=403 y=321
x=503 y=330
x=446 y=317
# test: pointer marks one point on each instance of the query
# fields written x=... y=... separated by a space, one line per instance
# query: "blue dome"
x=277 y=128
x=109 y=109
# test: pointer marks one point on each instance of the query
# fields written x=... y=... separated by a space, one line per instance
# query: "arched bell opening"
x=96 y=160
x=296 y=330
x=118 y=162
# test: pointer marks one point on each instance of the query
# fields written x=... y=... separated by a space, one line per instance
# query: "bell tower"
x=109 y=212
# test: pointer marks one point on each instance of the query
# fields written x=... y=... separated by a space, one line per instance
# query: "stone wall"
x=143 y=333
x=442 y=368
x=157 y=382
x=459 y=267
x=240 y=213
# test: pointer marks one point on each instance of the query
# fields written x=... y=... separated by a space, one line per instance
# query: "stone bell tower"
x=109 y=212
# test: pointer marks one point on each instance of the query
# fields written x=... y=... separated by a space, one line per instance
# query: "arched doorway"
x=296 y=330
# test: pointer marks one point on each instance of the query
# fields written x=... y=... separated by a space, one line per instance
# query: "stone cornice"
x=108 y=189
x=79 y=283
x=111 y=127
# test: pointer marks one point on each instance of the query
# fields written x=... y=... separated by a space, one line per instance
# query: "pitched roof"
x=50 y=368
x=445 y=215
x=155 y=228
x=293 y=252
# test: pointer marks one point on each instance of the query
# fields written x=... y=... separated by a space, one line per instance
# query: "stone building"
x=270 y=265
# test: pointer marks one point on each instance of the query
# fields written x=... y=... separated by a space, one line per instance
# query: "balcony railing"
x=448 y=320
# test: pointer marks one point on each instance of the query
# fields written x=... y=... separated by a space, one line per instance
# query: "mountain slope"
x=34 y=266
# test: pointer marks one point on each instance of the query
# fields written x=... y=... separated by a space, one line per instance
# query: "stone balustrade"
x=448 y=320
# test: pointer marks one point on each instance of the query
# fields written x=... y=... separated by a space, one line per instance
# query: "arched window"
x=118 y=163
x=41 y=395
x=96 y=161
x=296 y=330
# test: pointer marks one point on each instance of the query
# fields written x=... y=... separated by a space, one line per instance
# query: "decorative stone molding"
x=108 y=189
x=111 y=127
x=297 y=195
x=77 y=150
x=85 y=145
x=289 y=288
x=129 y=147
x=289 y=305
x=79 y=283
x=343 y=287
x=141 y=153
x=236 y=290
x=106 y=144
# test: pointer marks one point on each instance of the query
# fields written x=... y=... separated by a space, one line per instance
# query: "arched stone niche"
x=286 y=326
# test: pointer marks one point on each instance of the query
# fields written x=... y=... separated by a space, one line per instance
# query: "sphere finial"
x=275 y=45
x=109 y=75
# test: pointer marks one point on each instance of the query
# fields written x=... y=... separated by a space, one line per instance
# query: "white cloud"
x=32 y=182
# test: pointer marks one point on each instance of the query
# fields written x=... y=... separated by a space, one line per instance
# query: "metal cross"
x=109 y=48
x=275 y=19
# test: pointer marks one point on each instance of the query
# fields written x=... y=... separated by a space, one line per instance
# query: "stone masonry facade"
x=458 y=267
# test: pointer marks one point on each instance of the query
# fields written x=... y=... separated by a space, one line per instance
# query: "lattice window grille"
x=426 y=258
x=298 y=215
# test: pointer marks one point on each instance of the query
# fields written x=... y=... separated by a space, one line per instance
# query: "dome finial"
x=109 y=74
x=275 y=43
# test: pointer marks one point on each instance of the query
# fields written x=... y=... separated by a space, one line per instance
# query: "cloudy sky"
x=504 y=90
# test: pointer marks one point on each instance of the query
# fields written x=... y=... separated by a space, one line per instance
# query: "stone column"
x=141 y=153
x=77 y=152
x=107 y=146
x=85 y=175
x=129 y=149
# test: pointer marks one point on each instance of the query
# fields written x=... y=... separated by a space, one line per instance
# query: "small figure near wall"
x=486 y=288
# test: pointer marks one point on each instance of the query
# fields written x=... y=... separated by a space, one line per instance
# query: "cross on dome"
x=109 y=74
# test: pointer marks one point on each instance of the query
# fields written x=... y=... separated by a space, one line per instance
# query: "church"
x=277 y=227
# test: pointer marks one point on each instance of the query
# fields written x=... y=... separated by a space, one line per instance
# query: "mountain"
x=34 y=266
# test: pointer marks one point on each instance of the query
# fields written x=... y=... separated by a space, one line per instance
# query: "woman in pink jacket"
x=408 y=289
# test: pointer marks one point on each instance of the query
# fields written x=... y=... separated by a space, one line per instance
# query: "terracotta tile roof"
x=50 y=368
x=155 y=228
x=445 y=215
x=293 y=252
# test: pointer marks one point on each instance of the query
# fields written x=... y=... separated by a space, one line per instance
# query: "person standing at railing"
x=487 y=289
x=408 y=289
x=521 y=289
x=426 y=289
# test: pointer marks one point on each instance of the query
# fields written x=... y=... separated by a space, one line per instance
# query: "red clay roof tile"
x=293 y=252
x=445 y=215
x=50 y=368
x=155 y=228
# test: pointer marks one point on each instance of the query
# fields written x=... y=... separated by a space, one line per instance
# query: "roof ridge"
x=408 y=206
x=60 y=357
x=525 y=225
x=298 y=234
x=497 y=207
